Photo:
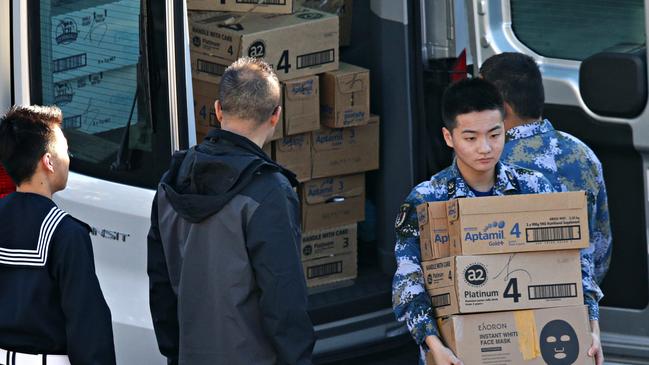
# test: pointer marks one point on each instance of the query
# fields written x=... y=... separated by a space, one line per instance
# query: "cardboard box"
x=330 y=269
x=255 y=6
x=205 y=94
x=341 y=151
x=518 y=223
x=486 y=283
x=301 y=105
x=96 y=39
x=332 y=201
x=531 y=337
x=208 y=68
x=342 y=8
x=294 y=153
x=297 y=45
x=345 y=96
x=328 y=242
x=433 y=231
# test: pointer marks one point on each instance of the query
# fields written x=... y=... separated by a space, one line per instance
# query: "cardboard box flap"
x=512 y=203
x=333 y=189
x=293 y=143
x=452 y=210
x=422 y=214
x=300 y=89
x=351 y=83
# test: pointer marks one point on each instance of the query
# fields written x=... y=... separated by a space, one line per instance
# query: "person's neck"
x=257 y=135
x=481 y=181
x=36 y=185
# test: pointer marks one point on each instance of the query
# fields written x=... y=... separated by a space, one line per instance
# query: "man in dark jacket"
x=226 y=282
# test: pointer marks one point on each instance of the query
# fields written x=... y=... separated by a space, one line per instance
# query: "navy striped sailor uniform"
x=51 y=302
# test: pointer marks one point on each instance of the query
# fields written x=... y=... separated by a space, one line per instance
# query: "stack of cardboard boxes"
x=514 y=262
x=327 y=135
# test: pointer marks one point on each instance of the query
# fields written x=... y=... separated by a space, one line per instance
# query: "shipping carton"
x=433 y=231
x=96 y=39
x=296 y=45
x=530 y=337
x=294 y=153
x=332 y=201
x=511 y=281
x=301 y=105
x=518 y=223
x=345 y=96
x=341 y=151
x=328 y=242
x=342 y=8
x=205 y=94
x=330 y=269
x=255 y=6
x=208 y=68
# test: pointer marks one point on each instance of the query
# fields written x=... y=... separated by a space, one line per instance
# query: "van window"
x=89 y=54
x=577 y=29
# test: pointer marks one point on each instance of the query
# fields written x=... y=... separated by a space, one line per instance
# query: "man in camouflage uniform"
x=473 y=114
x=566 y=161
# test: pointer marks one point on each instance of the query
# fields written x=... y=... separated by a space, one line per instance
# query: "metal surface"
x=171 y=75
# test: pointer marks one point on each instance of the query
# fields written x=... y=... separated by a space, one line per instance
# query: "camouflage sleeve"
x=592 y=293
x=544 y=184
x=600 y=232
x=410 y=302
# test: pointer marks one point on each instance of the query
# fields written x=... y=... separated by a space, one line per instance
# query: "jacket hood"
x=203 y=179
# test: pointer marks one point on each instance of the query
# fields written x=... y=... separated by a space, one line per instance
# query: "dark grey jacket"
x=226 y=282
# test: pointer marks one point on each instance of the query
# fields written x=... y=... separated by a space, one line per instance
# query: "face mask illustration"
x=559 y=344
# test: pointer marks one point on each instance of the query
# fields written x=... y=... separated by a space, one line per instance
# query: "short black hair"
x=249 y=90
x=519 y=80
x=467 y=96
x=26 y=134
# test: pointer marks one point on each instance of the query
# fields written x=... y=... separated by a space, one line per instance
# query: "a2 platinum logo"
x=475 y=274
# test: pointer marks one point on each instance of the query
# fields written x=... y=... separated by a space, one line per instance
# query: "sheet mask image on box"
x=518 y=223
x=332 y=201
x=434 y=241
x=345 y=96
x=328 y=242
x=294 y=153
x=301 y=105
x=341 y=151
x=500 y=282
x=255 y=6
x=96 y=39
x=301 y=44
x=551 y=336
x=330 y=269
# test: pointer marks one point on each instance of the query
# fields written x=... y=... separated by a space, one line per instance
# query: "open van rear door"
x=593 y=61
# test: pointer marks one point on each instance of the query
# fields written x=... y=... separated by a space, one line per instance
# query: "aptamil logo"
x=66 y=31
x=441 y=238
x=487 y=233
x=303 y=88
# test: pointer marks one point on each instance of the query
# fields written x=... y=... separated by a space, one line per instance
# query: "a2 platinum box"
x=515 y=255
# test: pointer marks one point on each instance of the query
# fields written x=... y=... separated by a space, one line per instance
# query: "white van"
x=119 y=69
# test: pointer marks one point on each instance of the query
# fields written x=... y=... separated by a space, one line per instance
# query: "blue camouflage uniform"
x=409 y=299
x=570 y=166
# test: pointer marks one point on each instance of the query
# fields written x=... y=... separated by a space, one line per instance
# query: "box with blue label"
x=332 y=201
x=301 y=105
x=508 y=281
x=518 y=223
x=345 y=96
x=96 y=39
x=433 y=231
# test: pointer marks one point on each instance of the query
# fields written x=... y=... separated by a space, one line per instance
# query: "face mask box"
x=518 y=223
x=511 y=281
x=551 y=336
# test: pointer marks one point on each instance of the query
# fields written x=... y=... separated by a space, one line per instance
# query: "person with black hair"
x=473 y=117
x=226 y=278
x=567 y=162
x=52 y=308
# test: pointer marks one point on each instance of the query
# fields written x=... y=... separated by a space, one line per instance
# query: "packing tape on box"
x=527 y=334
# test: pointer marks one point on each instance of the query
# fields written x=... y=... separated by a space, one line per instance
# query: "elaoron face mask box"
x=550 y=336
x=501 y=282
x=518 y=223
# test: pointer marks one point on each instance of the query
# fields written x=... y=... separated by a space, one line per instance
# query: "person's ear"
x=218 y=110
x=47 y=162
x=448 y=137
x=274 y=118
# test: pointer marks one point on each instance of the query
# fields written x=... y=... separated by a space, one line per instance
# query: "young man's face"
x=61 y=159
x=478 y=139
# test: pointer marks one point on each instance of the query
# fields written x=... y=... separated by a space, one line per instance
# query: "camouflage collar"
x=528 y=130
x=506 y=182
